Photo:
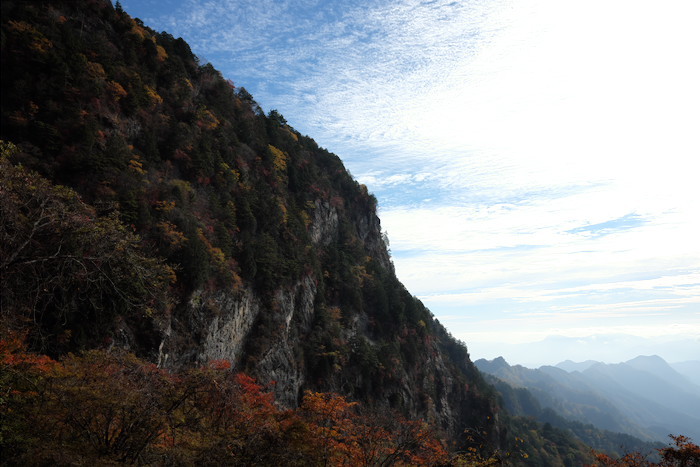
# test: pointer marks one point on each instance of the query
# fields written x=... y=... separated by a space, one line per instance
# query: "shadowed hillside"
x=165 y=235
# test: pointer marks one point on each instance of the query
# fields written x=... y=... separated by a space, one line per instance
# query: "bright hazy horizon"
x=535 y=163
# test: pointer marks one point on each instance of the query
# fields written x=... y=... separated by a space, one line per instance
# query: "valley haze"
x=643 y=397
x=535 y=179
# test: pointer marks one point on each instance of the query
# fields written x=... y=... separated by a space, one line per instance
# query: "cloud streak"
x=530 y=158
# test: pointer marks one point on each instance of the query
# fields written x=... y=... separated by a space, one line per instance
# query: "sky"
x=536 y=162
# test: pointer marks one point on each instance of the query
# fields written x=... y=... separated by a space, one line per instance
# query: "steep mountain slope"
x=268 y=253
x=644 y=397
x=567 y=394
x=657 y=366
x=521 y=401
x=649 y=401
x=150 y=205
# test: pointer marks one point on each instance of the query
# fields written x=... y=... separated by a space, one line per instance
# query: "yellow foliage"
x=95 y=70
x=291 y=133
x=279 y=158
x=136 y=166
x=182 y=189
x=360 y=274
x=153 y=95
x=283 y=209
x=306 y=219
x=164 y=206
x=38 y=43
x=236 y=283
x=207 y=120
x=138 y=30
x=18 y=118
x=335 y=313
x=21 y=26
x=116 y=90
x=232 y=175
x=162 y=54
x=217 y=256
x=174 y=237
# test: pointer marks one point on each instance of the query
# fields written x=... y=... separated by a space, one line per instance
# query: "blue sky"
x=535 y=162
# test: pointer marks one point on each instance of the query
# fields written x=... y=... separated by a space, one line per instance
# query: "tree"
x=345 y=437
x=682 y=453
x=67 y=272
x=276 y=117
x=95 y=408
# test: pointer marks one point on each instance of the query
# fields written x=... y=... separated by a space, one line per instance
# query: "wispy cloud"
x=529 y=157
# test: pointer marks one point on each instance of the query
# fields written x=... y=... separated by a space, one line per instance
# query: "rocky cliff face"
x=221 y=324
x=226 y=320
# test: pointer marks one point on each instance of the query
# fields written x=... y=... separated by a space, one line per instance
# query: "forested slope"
x=150 y=206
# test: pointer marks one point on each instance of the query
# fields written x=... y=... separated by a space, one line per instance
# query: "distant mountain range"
x=644 y=397
x=596 y=347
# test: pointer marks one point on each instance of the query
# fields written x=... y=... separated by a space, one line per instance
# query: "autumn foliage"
x=103 y=407
x=683 y=453
x=136 y=181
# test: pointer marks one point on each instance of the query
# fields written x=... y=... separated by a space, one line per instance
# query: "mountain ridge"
x=150 y=206
x=154 y=214
x=633 y=400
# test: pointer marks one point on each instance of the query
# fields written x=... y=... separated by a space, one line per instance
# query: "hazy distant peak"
x=659 y=367
x=648 y=362
x=500 y=361
x=651 y=363
x=492 y=366
x=571 y=366
x=643 y=397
